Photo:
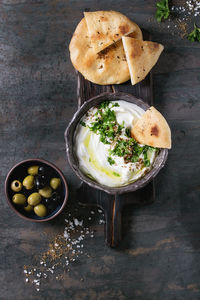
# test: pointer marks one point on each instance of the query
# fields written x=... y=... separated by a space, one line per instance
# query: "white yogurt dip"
x=102 y=161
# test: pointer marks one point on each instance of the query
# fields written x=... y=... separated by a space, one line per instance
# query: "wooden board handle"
x=113 y=224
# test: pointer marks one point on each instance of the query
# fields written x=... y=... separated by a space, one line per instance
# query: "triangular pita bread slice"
x=107 y=27
x=141 y=57
x=152 y=130
x=107 y=67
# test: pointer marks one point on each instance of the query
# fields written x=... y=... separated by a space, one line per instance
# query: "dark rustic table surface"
x=159 y=256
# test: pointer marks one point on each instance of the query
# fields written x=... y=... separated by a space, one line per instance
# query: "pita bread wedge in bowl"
x=71 y=135
x=141 y=57
x=152 y=130
x=107 y=67
x=107 y=27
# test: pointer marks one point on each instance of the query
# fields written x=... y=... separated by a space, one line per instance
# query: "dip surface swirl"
x=104 y=148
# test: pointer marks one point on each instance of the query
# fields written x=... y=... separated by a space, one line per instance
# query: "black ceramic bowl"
x=19 y=172
x=73 y=161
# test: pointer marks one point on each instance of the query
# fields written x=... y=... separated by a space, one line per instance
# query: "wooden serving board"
x=113 y=204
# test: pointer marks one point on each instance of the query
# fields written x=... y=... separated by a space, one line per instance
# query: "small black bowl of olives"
x=36 y=190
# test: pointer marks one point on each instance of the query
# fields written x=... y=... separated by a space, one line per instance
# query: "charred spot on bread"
x=153 y=46
x=137 y=50
x=103 y=19
x=155 y=130
x=124 y=28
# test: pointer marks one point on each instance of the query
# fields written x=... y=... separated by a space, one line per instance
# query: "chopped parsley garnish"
x=162 y=11
x=146 y=160
x=128 y=132
x=194 y=36
x=106 y=104
x=130 y=150
x=116 y=174
x=83 y=123
x=111 y=132
x=111 y=161
x=105 y=123
x=103 y=105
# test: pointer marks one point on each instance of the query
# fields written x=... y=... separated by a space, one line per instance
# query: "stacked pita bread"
x=106 y=49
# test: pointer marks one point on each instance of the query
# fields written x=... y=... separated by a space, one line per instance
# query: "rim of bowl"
x=161 y=158
x=49 y=164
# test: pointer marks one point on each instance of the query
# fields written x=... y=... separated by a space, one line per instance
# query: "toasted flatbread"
x=107 y=27
x=152 y=130
x=141 y=57
x=107 y=67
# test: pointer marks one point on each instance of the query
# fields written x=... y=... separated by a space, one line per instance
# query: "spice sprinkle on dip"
x=105 y=149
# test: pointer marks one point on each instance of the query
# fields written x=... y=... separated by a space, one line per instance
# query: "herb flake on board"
x=194 y=36
x=162 y=11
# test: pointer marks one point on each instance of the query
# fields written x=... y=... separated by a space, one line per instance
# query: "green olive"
x=28 y=208
x=34 y=199
x=16 y=186
x=19 y=199
x=33 y=170
x=28 y=182
x=46 y=192
x=40 y=210
x=55 y=183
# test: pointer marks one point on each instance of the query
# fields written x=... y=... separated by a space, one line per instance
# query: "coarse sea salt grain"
x=74 y=234
x=66 y=235
x=185 y=11
x=101 y=221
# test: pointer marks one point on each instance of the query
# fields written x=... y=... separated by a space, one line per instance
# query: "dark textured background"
x=159 y=257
